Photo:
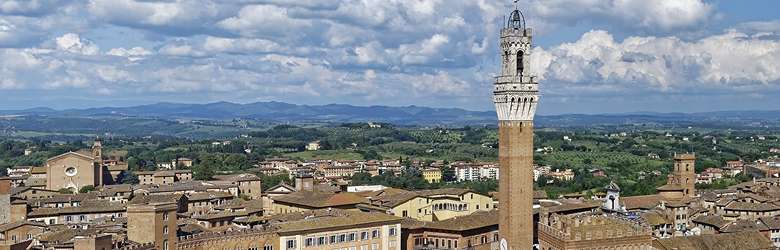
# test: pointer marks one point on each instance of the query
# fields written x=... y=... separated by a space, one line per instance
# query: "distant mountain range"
x=410 y=115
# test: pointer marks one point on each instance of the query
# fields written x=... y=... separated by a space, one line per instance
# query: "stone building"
x=75 y=170
x=302 y=201
x=20 y=231
x=593 y=231
x=432 y=175
x=5 y=200
x=475 y=231
x=742 y=241
x=322 y=229
x=249 y=185
x=203 y=202
x=240 y=239
x=165 y=177
x=476 y=171
x=516 y=94
x=430 y=205
x=153 y=223
x=93 y=242
x=327 y=229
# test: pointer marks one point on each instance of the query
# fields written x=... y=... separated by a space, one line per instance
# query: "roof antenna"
x=516 y=5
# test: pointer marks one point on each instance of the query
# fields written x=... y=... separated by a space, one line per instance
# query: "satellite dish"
x=503 y=244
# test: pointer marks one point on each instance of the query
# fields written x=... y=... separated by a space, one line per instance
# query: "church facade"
x=75 y=170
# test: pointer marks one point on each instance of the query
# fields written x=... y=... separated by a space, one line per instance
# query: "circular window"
x=70 y=171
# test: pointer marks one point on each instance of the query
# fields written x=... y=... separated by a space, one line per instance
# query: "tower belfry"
x=516 y=94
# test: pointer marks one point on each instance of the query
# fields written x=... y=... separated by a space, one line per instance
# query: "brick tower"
x=516 y=94
x=684 y=173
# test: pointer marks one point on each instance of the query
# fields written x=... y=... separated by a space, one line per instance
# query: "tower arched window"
x=520 y=66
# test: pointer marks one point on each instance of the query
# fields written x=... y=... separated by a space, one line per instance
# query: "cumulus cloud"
x=652 y=16
x=132 y=54
x=393 y=51
x=180 y=17
x=242 y=45
x=274 y=21
x=598 y=63
x=73 y=43
x=29 y=7
x=761 y=26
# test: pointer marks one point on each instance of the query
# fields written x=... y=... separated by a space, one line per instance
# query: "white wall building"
x=473 y=172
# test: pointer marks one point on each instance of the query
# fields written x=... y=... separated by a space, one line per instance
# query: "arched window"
x=520 y=66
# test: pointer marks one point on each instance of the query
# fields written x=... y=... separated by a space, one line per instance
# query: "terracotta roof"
x=393 y=200
x=36 y=182
x=97 y=207
x=709 y=196
x=113 y=190
x=281 y=184
x=641 y=202
x=716 y=221
x=475 y=220
x=566 y=207
x=164 y=173
x=328 y=220
x=743 y=226
x=237 y=177
x=409 y=223
x=18 y=190
x=236 y=204
x=742 y=241
x=12 y=225
x=379 y=193
x=655 y=218
x=220 y=215
x=753 y=207
x=64 y=198
x=192 y=228
x=198 y=186
x=771 y=222
x=444 y=191
x=315 y=199
x=155 y=198
x=201 y=196
x=670 y=187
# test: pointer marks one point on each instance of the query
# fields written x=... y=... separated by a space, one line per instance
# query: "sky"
x=591 y=56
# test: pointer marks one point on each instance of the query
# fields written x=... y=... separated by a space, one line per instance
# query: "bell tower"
x=516 y=94
x=97 y=150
